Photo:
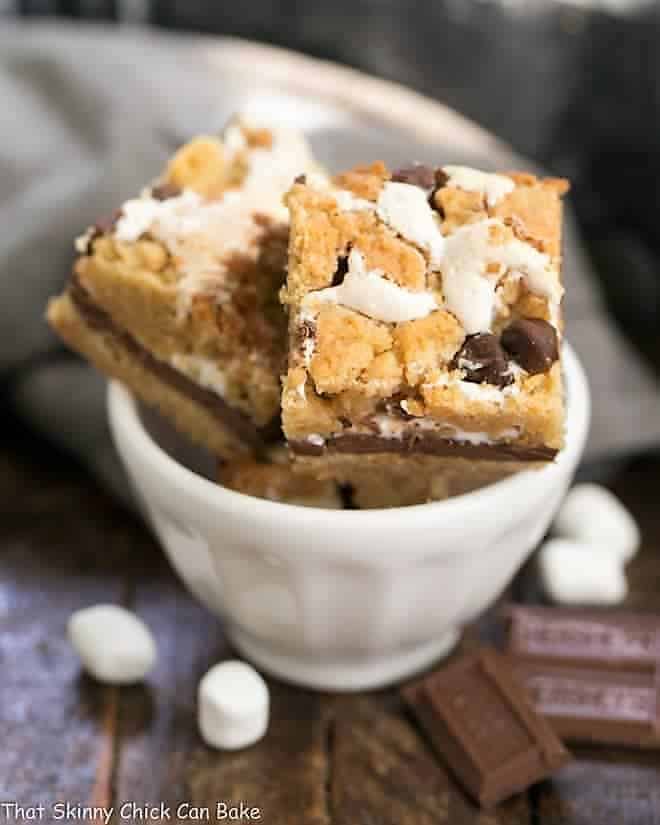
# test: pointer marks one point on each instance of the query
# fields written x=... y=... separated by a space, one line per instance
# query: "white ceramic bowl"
x=345 y=600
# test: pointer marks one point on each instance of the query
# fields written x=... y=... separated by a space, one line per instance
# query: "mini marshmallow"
x=233 y=706
x=579 y=573
x=592 y=513
x=114 y=645
x=368 y=292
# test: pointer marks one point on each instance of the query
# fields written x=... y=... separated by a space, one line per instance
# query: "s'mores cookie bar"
x=425 y=319
x=177 y=294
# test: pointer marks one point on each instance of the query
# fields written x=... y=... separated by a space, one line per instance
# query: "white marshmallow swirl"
x=368 y=292
x=201 y=235
x=405 y=208
x=468 y=286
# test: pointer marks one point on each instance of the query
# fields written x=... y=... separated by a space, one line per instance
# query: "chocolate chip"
x=340 y=272
x=300 y=179
x=441 y=179
x=105 y=225
x=483 y=360
x=165 y=191
x=435 y=204
x=532 y=343
x=417 y=175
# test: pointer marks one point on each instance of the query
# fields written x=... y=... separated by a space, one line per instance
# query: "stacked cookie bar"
x=414 y=317
x=424 y=320
x=177 y=294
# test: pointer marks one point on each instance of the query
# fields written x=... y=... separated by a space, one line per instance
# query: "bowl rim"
x=127 y=428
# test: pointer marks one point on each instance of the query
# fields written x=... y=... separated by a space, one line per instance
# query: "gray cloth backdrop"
x=88 y=116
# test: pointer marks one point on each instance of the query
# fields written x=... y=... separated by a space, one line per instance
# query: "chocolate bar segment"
x=483 y=726
x=609 y=707
x=421 y=444
x=587 y=638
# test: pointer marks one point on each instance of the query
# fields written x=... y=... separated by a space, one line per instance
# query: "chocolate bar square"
x=484 y=727
x=595 y=706
x=586 y=638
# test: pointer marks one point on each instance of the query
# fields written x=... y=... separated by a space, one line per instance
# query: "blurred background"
x=572 y=85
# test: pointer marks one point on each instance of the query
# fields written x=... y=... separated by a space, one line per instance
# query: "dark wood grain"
x=349 y=760
x=58 y=728
x=157 y=727
x=285 y=775
x=162 y=757
x=383 y=772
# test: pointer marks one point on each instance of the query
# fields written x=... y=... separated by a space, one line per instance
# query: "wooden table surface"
x=344 y=760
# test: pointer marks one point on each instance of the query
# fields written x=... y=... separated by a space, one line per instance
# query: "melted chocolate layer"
x=423 y=444
x=234 y=420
